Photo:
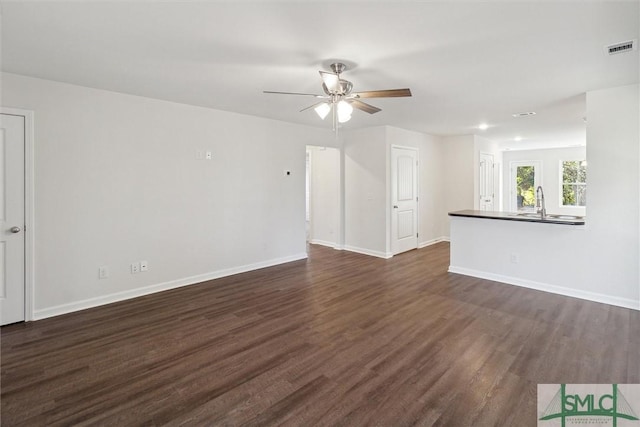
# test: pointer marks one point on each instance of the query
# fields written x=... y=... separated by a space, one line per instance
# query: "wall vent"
x=621 y=47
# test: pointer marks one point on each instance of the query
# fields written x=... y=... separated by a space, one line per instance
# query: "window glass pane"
x=581 y=195
x=582 y=172
x=574 y=187
x=569 y=172
x=525 y=181
x=568 y=195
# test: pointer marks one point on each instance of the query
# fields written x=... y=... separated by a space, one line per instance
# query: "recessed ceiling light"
x=524 y=114
x=517 y=138
x=483 y=126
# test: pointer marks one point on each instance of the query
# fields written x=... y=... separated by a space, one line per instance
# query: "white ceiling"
x=465 y=62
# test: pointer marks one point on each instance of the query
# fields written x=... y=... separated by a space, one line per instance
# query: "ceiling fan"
x=338 y=98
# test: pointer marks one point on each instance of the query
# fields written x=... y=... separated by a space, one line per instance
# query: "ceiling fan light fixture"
x=338 y=98
x=331 y=82
x=323 y=110
x=344 y=111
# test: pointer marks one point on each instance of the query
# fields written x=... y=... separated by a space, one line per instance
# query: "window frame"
x=562 y=183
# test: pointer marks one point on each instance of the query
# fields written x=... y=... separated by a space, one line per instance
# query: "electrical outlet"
x=515 y=258
x=103 y=272
x=144 y=266
x=208 y=155
x=135 y=267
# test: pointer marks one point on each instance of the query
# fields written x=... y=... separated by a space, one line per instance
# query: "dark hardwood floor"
x=338 y=339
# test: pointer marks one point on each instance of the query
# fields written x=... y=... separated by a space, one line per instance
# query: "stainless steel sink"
x=564 y=216
x=526 y=214
x=548 y=216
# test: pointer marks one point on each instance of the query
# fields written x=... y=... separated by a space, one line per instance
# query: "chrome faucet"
x=542 y=210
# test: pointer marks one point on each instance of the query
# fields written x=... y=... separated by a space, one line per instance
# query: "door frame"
x=390 y=248
x=29 y=208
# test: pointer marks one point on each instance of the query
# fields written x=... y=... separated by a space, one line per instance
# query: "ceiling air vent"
x=524 y=114
x=621 y=47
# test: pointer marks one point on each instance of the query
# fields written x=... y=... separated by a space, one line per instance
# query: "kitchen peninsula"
x=521 y=249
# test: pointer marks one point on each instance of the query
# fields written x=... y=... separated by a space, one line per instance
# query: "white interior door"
x=487 y=188
x=12 y=218
x=404 y=199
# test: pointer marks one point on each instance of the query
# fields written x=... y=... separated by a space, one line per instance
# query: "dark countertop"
x=528 y=217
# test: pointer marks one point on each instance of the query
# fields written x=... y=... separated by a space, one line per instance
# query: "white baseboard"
x=146 y=290
x=323 y=243
x=385 y=255
x=560 y=290
x=432 y=242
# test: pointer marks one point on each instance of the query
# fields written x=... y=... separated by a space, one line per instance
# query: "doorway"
x=323 y=201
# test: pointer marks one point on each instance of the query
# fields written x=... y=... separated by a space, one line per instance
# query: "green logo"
x=583 y=403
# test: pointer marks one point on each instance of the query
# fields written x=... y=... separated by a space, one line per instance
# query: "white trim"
x=323 y=243
x=379 y=254
x=29 y=206
x=560 y=290
x=138 y=292
x=432 y=242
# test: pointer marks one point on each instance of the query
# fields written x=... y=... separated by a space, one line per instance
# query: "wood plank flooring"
x=338 y=339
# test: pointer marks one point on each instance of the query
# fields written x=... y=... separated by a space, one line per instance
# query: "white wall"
x=461 y=173
x=368 y=191
x=365 y=166
x=458 y=174
x=598 y=261
x=117 y=181
x=613 y=141
x=324 y=203
x=551 y=176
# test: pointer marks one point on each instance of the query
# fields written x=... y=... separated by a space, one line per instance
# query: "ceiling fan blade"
x=388 y=93
x=367 y=108
x=313 y=106
x=331 y=81
x=293 y=93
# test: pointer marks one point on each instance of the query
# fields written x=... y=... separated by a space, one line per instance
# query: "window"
x=525 y=178
x=574 y=183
